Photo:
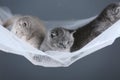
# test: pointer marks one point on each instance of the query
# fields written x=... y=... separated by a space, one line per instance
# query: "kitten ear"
x=72 y=31
x=53 y=34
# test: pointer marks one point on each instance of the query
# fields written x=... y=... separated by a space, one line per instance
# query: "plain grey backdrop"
x=100 y=65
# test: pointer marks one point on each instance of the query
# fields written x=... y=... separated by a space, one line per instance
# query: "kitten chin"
x=87 y=33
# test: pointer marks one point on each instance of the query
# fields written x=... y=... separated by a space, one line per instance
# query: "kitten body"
x=58 y=39
x=28 y=28
x=85 y=34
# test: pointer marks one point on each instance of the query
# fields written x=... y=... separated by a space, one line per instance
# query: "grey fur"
x=108 y=17
x=58 y=39
x=28 y=28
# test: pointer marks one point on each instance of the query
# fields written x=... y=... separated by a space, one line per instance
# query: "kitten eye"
x=54 y=34
x=24 y=24
x=60 y=43
x=68 y=42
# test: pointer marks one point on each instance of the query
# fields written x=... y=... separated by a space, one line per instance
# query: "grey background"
x=101 y=65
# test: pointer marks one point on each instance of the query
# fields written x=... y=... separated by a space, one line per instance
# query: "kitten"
x=85 y=34
x=58 y=39
x=28 y=28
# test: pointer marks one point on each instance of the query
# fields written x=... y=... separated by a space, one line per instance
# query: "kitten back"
x=87 y=33
x=9 y=22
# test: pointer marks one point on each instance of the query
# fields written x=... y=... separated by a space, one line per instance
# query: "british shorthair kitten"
x=28 y=28
x=58 y=39
x=87 y=33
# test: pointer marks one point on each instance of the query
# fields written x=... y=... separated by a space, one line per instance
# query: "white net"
x=12 y=44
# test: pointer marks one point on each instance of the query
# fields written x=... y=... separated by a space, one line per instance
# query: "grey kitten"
x=28 y=28
x=58 y=39
x=85 y=34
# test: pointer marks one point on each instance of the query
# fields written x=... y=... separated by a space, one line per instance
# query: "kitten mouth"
x=62 y=46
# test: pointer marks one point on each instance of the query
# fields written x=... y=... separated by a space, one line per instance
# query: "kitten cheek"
x=54 y=45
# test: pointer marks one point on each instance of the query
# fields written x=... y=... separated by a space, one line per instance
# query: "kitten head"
x=22 y=25
x=61 y=38
x=112 y=12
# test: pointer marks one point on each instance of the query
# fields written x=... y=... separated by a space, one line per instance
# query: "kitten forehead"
x=63 y=30
x=24 y=18
x=57 y=30
x=65 y=36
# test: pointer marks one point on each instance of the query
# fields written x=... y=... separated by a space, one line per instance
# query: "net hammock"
x=11 y=44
